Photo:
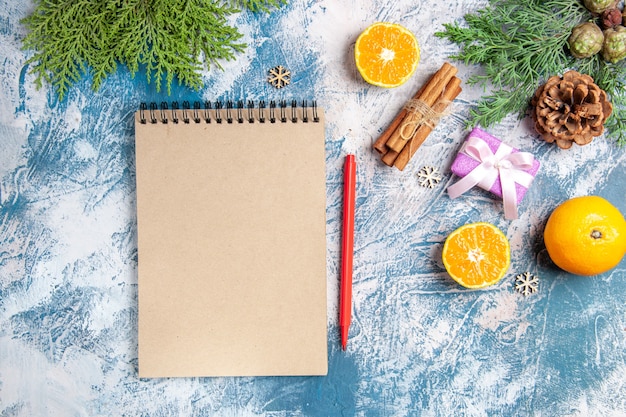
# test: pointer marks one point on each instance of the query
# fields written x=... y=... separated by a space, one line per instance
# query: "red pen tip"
x=344 y=336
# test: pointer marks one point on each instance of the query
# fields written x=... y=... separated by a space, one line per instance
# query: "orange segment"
x=386 y=54
x=477 y=255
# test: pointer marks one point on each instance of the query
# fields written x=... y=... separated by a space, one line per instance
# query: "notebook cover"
x=231 y=248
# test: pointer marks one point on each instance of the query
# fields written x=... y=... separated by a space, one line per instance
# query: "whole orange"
x=586 y=235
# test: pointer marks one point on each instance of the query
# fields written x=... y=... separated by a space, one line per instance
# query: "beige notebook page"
x=231 y=248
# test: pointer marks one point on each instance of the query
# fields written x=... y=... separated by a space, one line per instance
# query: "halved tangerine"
x=386 y=54
x=477 y=255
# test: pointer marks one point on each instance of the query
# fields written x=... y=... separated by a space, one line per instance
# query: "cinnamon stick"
x=390 y=157
x=452 y=90
x=429 y=96
x=381 y=143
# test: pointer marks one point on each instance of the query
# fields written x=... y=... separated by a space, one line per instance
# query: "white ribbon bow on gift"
x=505 y=164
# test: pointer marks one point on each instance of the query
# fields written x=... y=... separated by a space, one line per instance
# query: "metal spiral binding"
x=218 y=112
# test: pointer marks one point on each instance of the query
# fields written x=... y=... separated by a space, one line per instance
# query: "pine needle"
x=522 y=44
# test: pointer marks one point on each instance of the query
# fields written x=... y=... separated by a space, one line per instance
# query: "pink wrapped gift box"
x=468 y=160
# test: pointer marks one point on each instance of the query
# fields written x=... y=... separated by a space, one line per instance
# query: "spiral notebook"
x=231 y=203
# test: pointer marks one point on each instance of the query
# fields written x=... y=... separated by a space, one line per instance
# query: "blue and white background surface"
x=420 y=345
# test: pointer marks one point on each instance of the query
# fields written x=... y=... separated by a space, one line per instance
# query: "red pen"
x=347 y=248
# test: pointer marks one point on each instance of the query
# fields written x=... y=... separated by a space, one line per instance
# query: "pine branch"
x=520 y=45
x=64 y=59
x=258 y=5
x=169 y=39
x=492 y=106
x=612 y=79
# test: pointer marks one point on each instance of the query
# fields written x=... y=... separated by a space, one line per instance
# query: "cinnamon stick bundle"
x=381 y=143
x=410 y=128
x=453 y=89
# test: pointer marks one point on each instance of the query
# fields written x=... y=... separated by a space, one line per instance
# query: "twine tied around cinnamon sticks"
x=419 y=116
x=424 y=114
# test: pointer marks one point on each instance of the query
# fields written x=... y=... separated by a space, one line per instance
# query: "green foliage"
x=258 y=5
x=520 y=44
x=166 y=38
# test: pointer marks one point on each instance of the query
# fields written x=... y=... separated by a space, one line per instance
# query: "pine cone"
x=570 y=109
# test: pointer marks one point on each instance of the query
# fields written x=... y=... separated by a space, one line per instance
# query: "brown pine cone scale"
x=570 y=109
